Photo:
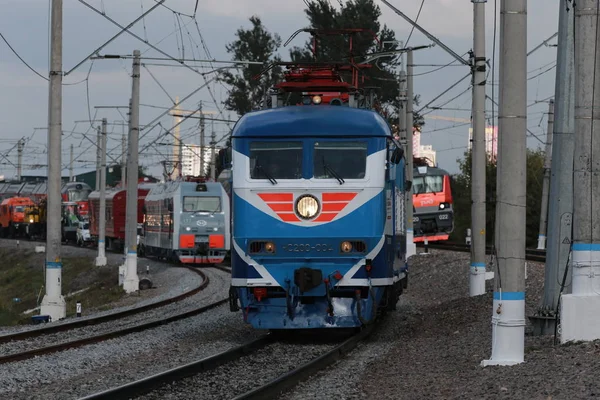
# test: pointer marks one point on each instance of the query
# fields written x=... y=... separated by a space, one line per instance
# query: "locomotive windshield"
x=428 y=184
x=346 y=160
x=201 y=204
x=78 y=195
x=276 y=160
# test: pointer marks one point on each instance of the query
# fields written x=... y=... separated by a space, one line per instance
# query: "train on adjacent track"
x=187 y=222
x=23 y=213
x=433 y=217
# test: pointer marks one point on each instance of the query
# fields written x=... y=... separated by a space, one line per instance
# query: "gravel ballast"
x=168 y=281
x=432 y=347
x=79 y=372
x=210 y=294
x=240 y=376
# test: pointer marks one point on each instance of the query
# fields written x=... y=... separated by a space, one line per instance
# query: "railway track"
x=85 y=322
x=28 y=354
x=530 y=254
x=269 y=389
x=79 y=323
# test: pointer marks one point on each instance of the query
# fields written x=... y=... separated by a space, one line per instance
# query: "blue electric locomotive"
x=318 y=219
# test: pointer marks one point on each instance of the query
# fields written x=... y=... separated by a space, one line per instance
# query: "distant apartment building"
x=191 y=160
x=422 y=151
x=491 y=140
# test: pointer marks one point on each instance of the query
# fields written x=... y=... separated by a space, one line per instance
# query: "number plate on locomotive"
x=305 y=247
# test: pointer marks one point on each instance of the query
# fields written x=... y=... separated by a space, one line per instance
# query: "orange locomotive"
x=12 y=215
x=433 y=215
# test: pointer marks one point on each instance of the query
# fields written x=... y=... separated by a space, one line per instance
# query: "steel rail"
x=535 y=255
x=285 y=382
x=146 y=385
x=106 y=336
x=79 y=323
x=61 y=327
x=268 y=390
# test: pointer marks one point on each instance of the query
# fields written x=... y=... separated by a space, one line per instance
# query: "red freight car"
x=116 y=201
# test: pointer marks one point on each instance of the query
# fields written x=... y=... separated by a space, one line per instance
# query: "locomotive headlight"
x=442 y=206
x=307 y=206
x=187 y=228
x=316 y=99
x=269 y=247
x=31 y=220
x=346 y=247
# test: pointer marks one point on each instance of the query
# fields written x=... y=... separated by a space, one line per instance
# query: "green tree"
x=352 y=14
x=461 y=192
x=254 y=44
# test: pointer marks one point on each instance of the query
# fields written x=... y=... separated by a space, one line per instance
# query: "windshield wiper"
x=332 y=172
x=269 y=177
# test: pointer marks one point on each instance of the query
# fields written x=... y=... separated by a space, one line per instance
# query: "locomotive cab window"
x=201 y=204
x=428 y=184
x=346 y=160
x=276 y=160
x=77 y=195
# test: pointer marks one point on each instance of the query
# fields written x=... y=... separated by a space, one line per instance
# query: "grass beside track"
x=22 y=277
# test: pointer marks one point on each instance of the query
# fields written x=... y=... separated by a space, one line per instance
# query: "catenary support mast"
x=131 y=282
x=546 y=182
x=411 y=248
x=560 y=212
x=101 y=258
x=580 y=310
x=478 y=153
x=508 y=315
x=53 y=303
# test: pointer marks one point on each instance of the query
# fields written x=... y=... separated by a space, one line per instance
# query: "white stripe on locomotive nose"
x=259 y=268
x=346 y=280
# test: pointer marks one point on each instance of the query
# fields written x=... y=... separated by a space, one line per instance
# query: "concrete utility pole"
x=213 y=143
x=560 y=215
x=546 y=183
x=98 y=156
x=403 y=140
x=411 y=248
x=177 y=141
x=71 y=166
x=580 y=310
x=19 y=159
x=53 y=303
x=508 y=315
x=101 y=259
x=124 y=179
x=202 y=126
x=123 y=161
x=402 y=109
x=478 y=153
x=131 y=282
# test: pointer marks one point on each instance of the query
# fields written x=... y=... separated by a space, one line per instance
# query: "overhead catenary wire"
x=412 y=29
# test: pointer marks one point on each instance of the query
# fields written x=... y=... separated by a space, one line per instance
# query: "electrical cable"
x=439 y=68
x=20 y=58
x=413 y=26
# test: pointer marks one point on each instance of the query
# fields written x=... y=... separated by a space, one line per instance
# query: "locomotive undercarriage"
x=312 y=302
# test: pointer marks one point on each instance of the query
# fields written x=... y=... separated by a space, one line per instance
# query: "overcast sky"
x=24 y=95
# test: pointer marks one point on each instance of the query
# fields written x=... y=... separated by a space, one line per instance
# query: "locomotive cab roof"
x=302 y=121
x=431 y=171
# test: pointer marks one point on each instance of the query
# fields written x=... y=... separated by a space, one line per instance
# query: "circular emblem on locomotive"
x=201 y=222
x=307 y=206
